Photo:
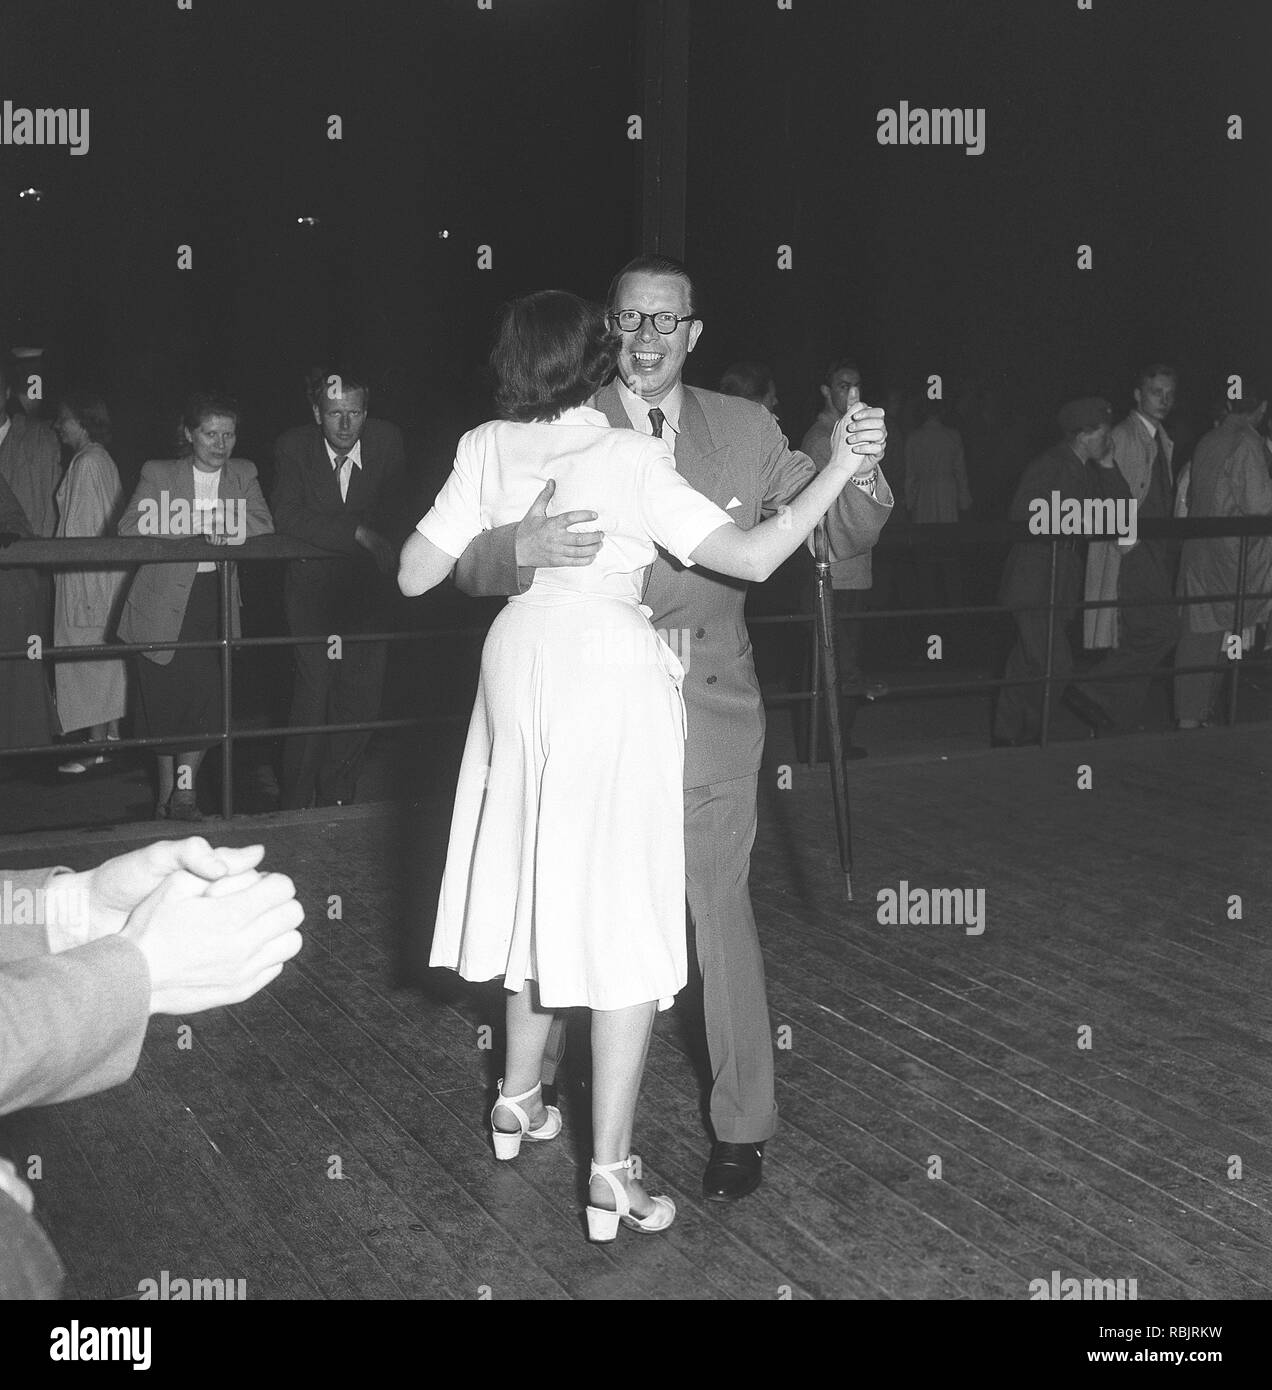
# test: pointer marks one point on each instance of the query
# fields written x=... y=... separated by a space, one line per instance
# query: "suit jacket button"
x=711 y=680
x=701 y=632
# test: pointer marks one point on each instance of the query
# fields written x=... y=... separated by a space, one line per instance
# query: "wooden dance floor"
x=1084 y=1087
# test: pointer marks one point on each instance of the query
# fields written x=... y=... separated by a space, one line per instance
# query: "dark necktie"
x=342 y=476
x=656 y=418
x=1158 y=498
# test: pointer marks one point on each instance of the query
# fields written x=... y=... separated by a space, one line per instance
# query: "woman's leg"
x=528 y=1027
x=620 y=1043
x=188 y=771
x=165 y=778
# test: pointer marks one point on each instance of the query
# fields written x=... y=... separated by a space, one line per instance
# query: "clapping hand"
x=207 y=945
x=110 y=892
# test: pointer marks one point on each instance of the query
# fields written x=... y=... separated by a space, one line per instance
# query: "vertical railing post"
x=1238 y=623
x=815 y=690
x=225 y=574
x=1049 y=664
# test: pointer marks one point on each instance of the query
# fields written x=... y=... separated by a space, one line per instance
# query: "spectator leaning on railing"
x=208 y=493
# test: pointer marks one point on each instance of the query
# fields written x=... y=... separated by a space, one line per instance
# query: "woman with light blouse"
x=206 y=492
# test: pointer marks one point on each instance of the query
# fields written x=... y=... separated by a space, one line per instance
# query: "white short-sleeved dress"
x=566 y=856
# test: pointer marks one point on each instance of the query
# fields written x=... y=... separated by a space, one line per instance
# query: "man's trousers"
x=1019 y=711
x=329 y=689
x=1147 y=632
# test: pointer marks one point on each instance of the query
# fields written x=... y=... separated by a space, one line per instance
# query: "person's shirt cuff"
x=867 y=482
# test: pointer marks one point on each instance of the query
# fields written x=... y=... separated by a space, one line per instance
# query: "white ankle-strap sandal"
x=602 y=1225
x=508 y=1144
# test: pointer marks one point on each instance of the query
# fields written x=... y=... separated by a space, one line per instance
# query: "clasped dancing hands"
x=859 y=439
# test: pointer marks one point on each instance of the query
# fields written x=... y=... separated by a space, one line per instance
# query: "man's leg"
x=311 y=673
x=719 y=834
x=357 y=683
x=848 y=635
x=1147 y=632
x=1018 y=714
x=553 y=1051
x=1195 y=693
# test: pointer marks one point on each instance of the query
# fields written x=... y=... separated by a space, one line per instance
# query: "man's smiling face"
x=649 y=362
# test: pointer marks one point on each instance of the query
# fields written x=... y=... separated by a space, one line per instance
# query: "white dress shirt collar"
x=1150 y=425
x=638 y=408
x=5 y=422
x=355 y=453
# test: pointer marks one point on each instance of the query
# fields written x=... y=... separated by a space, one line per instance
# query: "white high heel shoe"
x=508 y=1144
x=602 y=1225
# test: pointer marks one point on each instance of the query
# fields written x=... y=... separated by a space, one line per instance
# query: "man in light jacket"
x=1141 y=631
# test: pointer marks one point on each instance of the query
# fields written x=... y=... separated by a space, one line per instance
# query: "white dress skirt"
x=565 y=863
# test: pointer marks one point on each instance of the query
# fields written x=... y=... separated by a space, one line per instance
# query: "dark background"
x=509 y=127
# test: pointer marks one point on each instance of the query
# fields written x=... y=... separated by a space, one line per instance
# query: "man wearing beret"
x=1080 y=467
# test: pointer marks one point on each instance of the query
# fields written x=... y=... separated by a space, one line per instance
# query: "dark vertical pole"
x=226 y=575
x=1238 y=622
x=1049 y=668
x=825 y=620
x=664 y=43
x=815 y=686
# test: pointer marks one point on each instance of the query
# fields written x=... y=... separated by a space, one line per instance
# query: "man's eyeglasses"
x=632 y=320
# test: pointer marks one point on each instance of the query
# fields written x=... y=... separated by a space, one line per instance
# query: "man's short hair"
x=1154 y=369
x=750 y=380
x=837 y=365
x=336 y=380
x=552 y=351
x=90 y=411
x=1253 y=395
x=654 y=265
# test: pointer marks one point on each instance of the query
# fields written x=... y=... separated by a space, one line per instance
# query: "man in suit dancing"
x=732 y=451
x=338 y=485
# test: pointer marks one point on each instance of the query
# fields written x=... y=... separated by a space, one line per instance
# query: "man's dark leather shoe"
x=733 y=1171
x=1093 y=715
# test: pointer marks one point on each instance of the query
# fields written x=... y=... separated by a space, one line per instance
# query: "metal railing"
x=918 y=542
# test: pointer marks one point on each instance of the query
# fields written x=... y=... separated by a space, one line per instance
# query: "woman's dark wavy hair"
x=552 y=351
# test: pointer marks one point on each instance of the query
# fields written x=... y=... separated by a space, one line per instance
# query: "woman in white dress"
x=565 y=868
x=92 y=693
